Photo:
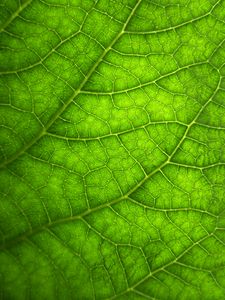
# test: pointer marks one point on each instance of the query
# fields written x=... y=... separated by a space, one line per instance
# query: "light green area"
x=112 y=149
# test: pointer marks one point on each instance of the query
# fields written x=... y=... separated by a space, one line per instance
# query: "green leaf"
x=112 y=149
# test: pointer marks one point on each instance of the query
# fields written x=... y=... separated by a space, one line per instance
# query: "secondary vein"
x=74 y=95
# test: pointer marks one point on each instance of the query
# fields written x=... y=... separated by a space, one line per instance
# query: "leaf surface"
x=112 y=149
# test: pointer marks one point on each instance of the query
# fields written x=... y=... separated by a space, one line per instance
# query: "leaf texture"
x=112 y=149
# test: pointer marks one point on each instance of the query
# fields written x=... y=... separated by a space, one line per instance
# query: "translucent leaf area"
x=112 y=149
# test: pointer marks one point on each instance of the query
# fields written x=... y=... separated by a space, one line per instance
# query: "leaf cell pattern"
x=112 y=149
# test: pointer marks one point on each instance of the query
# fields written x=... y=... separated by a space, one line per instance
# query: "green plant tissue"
x=112 y=173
